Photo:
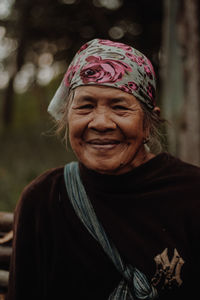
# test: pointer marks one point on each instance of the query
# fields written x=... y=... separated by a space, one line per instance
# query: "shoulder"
x=172 y=164
x=47 y=180
x=185 y=168
x=183 y=178
x=175 y=174
x=39 y=192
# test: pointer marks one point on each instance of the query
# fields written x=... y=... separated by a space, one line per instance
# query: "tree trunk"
x=8 y=103
x=189 y=149
x=180 y=78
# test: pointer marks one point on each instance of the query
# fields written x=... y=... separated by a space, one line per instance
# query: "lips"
x=103 y=142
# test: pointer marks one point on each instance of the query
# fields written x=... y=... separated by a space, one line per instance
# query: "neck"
x=139 y=159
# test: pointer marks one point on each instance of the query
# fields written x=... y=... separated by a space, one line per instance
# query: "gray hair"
x=156 y=141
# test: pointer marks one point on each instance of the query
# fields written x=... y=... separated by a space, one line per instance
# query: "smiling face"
x=106 y=129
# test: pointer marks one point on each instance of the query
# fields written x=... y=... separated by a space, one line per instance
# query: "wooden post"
x=5 y=253
x=6 y=236
x=4 y=275
x=6 y=221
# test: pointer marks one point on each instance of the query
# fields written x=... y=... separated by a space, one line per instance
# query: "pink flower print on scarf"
x=103 y=70
x=132 y=85
x=114 y=44
x=151 y=91
x=70 y=74
x=148 y=71
x=83 y=48
x=125 y=88
x=137 y=59
x=151 y=67
x=129 y=88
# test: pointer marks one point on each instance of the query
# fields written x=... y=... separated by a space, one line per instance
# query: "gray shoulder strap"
x=141 y=288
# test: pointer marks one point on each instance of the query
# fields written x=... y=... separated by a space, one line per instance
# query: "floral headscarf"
x=108 y=63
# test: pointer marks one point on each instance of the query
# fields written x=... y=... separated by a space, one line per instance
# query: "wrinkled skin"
x=106 y=129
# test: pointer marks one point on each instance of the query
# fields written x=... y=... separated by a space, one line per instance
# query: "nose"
x=102 y=121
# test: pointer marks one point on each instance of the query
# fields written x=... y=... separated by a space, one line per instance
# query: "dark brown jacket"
x=153 y=208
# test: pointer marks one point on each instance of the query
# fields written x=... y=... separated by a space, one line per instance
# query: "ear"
x=157 y=110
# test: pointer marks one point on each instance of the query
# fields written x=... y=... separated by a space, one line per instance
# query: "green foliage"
x=58 y=29
x=30 y=147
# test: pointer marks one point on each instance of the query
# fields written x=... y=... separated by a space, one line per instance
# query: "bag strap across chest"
x=134 y=284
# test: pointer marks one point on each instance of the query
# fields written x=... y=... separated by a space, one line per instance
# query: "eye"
x=119 y=107
x=86 y=106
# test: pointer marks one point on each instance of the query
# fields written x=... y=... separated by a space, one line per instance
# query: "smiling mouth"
x=103 y=143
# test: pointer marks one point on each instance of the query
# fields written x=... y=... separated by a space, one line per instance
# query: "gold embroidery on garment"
x=168 y=273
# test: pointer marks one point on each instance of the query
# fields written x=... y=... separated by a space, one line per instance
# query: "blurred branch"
x=6 y=238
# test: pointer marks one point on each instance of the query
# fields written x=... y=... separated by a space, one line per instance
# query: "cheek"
x=74 y=140
x=76 y=129
x=134 y=130
x=74 y=134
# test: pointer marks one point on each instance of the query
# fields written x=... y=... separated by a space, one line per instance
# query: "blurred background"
x=38 y=39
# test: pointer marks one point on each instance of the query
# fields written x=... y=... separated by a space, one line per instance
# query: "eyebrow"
x=119 y=99
x=86 y=98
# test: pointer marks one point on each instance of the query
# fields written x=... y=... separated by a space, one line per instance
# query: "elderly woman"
x=123 y=221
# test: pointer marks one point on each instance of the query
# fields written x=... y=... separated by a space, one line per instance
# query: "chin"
x=103 y=167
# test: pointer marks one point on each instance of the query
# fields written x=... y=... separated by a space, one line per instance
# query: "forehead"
x=102 y=92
